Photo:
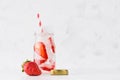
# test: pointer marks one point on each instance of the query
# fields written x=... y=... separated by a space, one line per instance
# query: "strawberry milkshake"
x=44 y=48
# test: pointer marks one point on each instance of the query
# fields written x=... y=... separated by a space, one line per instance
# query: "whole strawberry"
x=31 y=68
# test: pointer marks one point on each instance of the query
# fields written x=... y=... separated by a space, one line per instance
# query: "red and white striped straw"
x=40 y=23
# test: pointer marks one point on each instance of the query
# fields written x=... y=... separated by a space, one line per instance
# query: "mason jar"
x=44 y=50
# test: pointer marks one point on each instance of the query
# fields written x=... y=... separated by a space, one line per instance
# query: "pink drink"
x=44 y=50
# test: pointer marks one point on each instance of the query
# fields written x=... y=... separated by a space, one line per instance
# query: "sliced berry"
x=47 y=67
x=52 y=44
x=39 y=62
x=40 y=49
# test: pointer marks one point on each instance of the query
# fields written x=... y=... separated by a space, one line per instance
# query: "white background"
x=87 y=37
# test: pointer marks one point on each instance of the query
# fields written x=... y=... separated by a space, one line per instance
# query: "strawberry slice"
x=39 y=61
x=48 y=67
x=40 y=49
x=31 y=68
x=42 y=61
x=53 y=48
x=52 y=44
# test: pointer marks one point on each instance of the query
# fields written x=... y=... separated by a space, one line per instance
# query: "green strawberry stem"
x=24 y=64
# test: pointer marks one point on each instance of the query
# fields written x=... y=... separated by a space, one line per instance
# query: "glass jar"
x=44 y=50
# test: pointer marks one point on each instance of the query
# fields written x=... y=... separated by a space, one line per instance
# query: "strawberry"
x=31 y=68
x=39 y=61
x=42 y=61
x=40 y=49
x=53 y=48
x=52 y=44
x=47 y=67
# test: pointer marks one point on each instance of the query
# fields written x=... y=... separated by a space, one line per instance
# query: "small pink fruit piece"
x=52 y=44
x=39 y=61
x=47 y=68
x=40 y=49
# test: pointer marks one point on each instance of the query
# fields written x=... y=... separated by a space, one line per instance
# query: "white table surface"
x=87 y=32
x=14 y=74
